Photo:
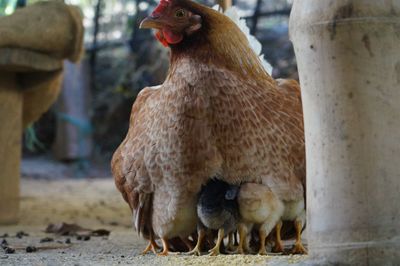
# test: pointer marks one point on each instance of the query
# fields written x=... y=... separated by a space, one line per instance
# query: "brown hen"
x=218 y=113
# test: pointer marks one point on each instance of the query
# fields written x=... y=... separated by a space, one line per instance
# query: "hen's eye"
x=180 y=13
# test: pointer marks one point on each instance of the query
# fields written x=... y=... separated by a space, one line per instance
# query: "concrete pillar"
x=348 y=55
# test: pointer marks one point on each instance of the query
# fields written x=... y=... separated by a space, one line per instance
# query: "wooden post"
x=32 y=60
x=10 y=147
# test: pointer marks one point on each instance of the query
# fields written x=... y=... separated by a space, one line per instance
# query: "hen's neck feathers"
x=219 y=42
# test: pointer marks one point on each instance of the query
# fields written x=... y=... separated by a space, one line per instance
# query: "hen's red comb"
x=161 y=7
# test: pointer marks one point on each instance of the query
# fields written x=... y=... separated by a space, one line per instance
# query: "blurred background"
x=77 y=137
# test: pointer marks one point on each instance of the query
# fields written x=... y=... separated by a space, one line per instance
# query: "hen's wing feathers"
x=260 y=132
x=128 y=165
x=291 y=87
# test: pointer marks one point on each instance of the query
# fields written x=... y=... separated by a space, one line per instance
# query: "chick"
x=294 y=211
x=259 y=206
x=217 y=209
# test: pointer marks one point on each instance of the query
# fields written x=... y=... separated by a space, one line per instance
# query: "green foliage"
x=7 y=7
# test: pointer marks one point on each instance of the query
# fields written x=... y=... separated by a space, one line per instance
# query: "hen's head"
x=173 y=20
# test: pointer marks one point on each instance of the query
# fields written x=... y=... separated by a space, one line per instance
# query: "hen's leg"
x=278 y=248
x=298 y=245
x=197 y=249
x=152 y=246
x=215 y=250
x=165 y=251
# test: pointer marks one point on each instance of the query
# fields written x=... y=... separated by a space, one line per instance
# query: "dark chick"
x=217 y=209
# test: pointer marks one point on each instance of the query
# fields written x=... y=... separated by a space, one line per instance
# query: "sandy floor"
x=93 y=204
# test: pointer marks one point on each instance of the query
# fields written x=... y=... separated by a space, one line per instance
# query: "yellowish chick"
x=294 y=211
x=258 y=206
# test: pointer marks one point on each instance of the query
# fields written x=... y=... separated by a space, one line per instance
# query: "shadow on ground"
x=93 y=204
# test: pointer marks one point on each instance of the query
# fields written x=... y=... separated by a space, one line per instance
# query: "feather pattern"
x=233 y=14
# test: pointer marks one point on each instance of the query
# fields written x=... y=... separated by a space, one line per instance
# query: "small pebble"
x=68 y=241
x=4 y=257
x=4 y=246
x=79 y=238
x=122 y=256
x=31 y=249
x=46 y=239
x=21 y=234
x=86 y=238
x=9 y=250
x=4 y=242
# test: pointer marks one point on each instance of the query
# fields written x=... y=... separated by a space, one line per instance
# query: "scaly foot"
x=240 y=251
x=196 y=251
x=165 y=251
x=262 y=252
x=214 y=251
x=278 y=248
x=152 y=246
x=299 y=249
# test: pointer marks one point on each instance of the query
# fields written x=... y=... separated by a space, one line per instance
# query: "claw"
x=152 y=246
x=196 y=251
x=278 y=248
x=299 y=249
x=262 y=252
x=165 y=251
x=298 y=246
x=214 y=251
x=240 y=251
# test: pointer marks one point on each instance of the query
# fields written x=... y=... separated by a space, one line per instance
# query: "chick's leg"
x=231 y=244
x=197 y=249
x=215 y=250
x=263 y=235
x=242 y=239
x=298 y=245
x=278 y=248
x=188 y=243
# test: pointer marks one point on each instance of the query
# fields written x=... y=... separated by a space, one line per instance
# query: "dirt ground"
x=93 y=204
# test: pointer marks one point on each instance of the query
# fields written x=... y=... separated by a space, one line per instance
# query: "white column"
x=348 y=55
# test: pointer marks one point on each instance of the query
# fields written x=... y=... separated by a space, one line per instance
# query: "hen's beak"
x=151 y=23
